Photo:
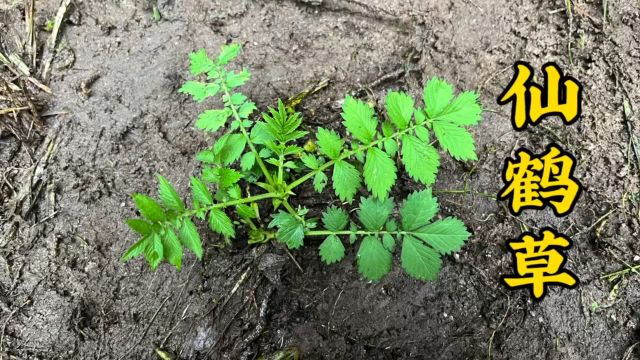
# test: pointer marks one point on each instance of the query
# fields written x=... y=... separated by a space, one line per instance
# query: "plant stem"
x=231 y=203
x=347 y=154
x=291 y=210
x=261 y=164
x=359 y=232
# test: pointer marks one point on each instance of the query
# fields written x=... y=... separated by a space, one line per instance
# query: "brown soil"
x=65 y=295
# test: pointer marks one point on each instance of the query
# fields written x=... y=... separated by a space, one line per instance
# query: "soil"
x=116 y=120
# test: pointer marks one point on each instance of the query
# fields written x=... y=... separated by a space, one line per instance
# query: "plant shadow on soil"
x=64 y=294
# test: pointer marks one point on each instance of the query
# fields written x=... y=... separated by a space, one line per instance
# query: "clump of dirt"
x=119 y=120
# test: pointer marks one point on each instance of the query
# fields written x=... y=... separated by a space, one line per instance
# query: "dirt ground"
x=65 y=295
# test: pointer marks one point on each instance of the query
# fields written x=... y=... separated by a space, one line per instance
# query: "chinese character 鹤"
x=532 y=182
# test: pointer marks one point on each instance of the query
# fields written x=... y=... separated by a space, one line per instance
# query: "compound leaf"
x=135 y=249
x=235 y=79
x=388 y=242
x=379 y=172
x=212 y=120
x=172 y=249
x=421 y=160
x=418 y=210
x=329 y=142
x=346 y=180
x=437 y=95
x=200 y=192
x=331 y=250
x=220 y=223
x=359 y=119
x=456 y=140
x=446 y=236
x=290 y=230
x=374 y=261
x=228 y=53
x=154 y=252
x=464 y=110
x=149 y=208
x=190 y=238
x=200 y=62
x=169 y=195
x=320 y=181
x=419 y=260
x=399 y=108
x=247 y=161
x=198 y=90
x=229 y=147
x=140 y=226
x=373 y=213
x=335 y=219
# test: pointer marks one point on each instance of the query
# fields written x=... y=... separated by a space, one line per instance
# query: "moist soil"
x=114 y=119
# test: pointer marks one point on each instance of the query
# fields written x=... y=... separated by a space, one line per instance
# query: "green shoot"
x=250 y=174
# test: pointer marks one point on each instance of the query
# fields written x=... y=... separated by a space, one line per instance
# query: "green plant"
x=271 y=161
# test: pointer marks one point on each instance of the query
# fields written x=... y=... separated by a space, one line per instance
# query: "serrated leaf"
x=212 y=120
x=391 y=147
x=423 y=134
x=420 y=116
x=387 y=129
x=290 y=230
x=206 y=156
x=200 y=62
x=227 y=177
x=456 y=140
x=335 y=219
x=198 y=90
x=200 y=192
x=140 y=226
x=260 y=134
x=154 y=252
x=418 y=210
x=135 y=249
x=421 y=160
x=247 y=161
x=419 y=260
x=329 y=142
x=310 y=161
x=359 y=119
x=389 y=242
x=374 y=261
x=446 y=236
x=235 y=79
x=190 y=238
x=379 y=172
x=437 y=95
x=373 y=213
x=320 y=181
x=172 y=249
x=331 y=250
x=149 y=208
x=399 y=108
x=228 y=53
x=463 y=110
x=169 y=195
x=246 y=109
x=229 y=147
x=346 y=180
x=246 y=211
x=220 y=223
x=234 y=192
x=353 y=227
